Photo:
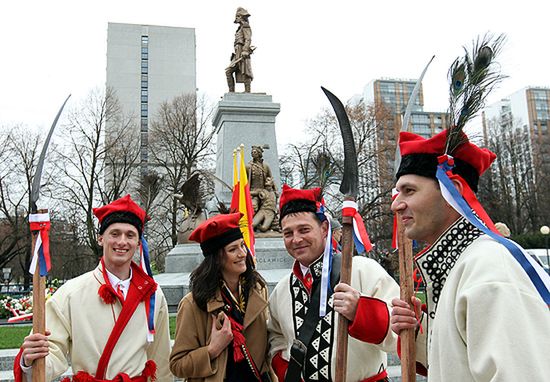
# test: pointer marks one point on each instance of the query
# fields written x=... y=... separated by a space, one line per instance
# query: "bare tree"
x=19 y=154
x=318 y=162
x=181 y=140
x=510 y=189
x=96 y=160
x=18 y=157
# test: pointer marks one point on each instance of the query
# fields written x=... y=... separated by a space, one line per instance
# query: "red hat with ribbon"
x=420 y=156
x=216 y=232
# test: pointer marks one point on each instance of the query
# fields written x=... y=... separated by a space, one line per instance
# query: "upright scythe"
x=38 y=281
x=349 y=188
x=404 y=245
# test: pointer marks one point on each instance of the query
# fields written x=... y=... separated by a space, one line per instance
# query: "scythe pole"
x=404 y=245
x=38 y=281
x=349 y=188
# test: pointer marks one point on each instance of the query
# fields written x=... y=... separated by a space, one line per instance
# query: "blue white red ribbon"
x=41 y=255
x=360 y=235
x=149 y=305
x=537 y=275
x=327 y=263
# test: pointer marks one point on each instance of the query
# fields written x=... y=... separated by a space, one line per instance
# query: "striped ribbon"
x=327 y=263
x=41 y=255
x=360 y=235
x=149 y=305
x=539 y=278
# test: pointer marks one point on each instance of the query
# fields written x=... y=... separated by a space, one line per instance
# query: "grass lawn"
x=11 y=337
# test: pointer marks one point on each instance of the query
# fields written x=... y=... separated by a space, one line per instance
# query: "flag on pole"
x=235 y=197
x=241 y=200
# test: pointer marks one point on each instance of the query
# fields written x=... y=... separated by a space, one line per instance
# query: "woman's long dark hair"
x=206 y=278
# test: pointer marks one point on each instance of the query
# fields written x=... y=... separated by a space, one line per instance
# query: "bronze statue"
x=257 y=172
x=265 y=217
x=240 y=59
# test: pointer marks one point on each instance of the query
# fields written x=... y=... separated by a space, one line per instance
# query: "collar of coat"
x=436 y=262
x=257 y=302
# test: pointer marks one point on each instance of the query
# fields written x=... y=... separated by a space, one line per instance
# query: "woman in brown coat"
x=221 y=332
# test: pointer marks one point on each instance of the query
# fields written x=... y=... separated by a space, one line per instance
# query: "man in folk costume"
x=486 y=316
x=111 y=322
x=295 y=304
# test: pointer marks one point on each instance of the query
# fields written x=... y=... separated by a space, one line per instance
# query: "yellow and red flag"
x=241 y=200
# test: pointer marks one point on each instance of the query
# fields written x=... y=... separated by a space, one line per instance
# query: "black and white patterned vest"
x=319 y=351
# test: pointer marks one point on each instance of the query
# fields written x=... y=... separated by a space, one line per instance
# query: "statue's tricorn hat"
x=242 y=12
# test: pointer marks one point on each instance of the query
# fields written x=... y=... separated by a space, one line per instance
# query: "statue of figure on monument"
x=240 y=63
x=257 y=171
x=264 y=219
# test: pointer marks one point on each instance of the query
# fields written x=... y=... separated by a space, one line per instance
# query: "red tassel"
x=106 y=294
x=82 y=376
x=66 y=379
x=238 y=340
x=150 y=370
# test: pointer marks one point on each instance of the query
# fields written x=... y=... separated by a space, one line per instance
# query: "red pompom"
x=82 y=376
x=150 y=370
x=106 y=294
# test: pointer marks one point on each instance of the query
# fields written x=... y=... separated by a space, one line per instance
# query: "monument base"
x=248 y=119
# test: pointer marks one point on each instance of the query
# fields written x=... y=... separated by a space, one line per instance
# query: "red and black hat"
x=216 y=232
x=294 y=200
x=123 y=210
x=419 y=156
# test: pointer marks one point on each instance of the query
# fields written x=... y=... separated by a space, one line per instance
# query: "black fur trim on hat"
x=426 y=165
x=212 y=245
x=299 y=205
x=121 y=217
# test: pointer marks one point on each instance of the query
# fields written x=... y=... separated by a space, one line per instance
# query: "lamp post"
x=6 y=274
x=545 y=230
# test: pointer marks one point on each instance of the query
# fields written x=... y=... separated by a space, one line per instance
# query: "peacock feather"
x=472 y=77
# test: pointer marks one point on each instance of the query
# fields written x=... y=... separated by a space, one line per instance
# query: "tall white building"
x=528 y=110
x=389 y=97
x=146 y=66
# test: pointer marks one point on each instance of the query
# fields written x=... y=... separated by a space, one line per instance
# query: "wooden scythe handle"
x=408 y=347
x=345 y=277
x=38 y=311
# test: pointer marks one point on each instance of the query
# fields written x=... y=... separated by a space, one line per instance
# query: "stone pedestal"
x=247 y=118
x=273 y=263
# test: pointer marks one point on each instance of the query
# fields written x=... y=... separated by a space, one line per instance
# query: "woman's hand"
x=220 y=337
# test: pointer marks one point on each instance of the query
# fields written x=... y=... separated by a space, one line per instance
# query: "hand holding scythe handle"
x=345 y=277
x=349 y=188
x=39 y=282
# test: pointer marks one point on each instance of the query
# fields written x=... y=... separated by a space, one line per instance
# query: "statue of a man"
x=264 y=218
x=240 y=59
x=257 y=172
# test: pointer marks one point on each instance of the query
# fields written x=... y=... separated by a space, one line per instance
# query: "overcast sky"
x=53 y=48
